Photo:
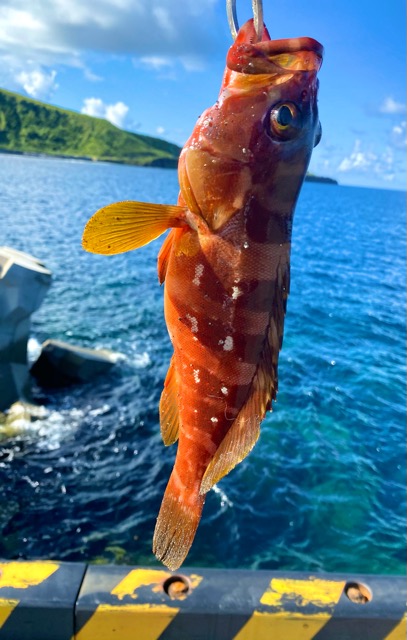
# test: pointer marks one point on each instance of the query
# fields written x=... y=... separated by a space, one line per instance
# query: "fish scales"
x=226 y=266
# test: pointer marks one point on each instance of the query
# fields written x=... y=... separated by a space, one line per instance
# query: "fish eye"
x=285 y=121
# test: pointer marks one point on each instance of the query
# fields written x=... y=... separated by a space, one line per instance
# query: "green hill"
x=30 y=126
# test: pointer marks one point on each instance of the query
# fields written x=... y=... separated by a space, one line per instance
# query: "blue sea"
x=324 y=488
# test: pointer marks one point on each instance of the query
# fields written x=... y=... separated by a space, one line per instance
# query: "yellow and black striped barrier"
x=63 y=601
x=38 y=599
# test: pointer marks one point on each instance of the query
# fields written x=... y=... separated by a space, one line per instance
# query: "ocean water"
x=324 y=488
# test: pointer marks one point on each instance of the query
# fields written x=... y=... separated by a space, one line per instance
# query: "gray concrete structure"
x=62 y=364
x=24 y=281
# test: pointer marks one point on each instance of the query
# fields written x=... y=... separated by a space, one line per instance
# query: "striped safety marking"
x=7 y=606
x=293 y=609
x=137 y=604
x=399 y=632
x=317 y=609
x=67 y=601
x=233 y=605
x=21 y=575
x=37 y=600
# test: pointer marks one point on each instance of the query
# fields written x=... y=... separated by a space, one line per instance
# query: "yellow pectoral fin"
x=125 y=226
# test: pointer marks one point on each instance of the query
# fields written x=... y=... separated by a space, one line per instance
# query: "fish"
x=225 y=265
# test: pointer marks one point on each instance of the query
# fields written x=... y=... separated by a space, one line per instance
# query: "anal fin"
x=238 y=442
x=169 y=419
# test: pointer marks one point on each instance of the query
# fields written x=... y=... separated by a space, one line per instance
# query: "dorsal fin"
x=245 y=430
x=169 y=419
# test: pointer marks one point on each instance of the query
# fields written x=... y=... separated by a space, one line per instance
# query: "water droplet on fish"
x=228 y=345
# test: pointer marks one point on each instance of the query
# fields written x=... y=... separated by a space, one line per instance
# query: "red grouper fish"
x=226 y=266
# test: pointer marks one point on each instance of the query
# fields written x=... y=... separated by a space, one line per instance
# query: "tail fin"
x=176 y=524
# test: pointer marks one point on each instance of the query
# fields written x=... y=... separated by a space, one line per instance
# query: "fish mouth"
x=273 y=56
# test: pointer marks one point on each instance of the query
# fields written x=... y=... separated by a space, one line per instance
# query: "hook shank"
x=257 y=6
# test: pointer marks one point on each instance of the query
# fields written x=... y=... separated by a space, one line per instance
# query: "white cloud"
x=94 y=107
x=398 y=135
x=358 y=159
x=167 y=63
x=37 y=83
x=160 y=131
x=115 y=113
x=385 y=165
x=155 y=62
x=48 y=31
x=392 y=107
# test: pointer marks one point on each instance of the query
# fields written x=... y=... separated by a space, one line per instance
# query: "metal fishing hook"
x=257 y=6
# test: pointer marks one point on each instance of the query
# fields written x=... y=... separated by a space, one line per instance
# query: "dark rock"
x=61 y=364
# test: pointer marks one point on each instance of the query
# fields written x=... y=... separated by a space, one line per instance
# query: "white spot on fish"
x=199 y=269
x=214 y=420
x=196 y=376
x=221 y=341
x=236 y=292
x=245 y=245
x=194 y=323
x=195 y=338
x=228 y=346
x=225 y=391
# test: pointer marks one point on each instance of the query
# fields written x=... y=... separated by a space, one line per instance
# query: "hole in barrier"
x=176 y=587
x=358 y=593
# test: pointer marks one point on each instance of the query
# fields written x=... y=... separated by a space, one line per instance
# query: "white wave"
x=138 y=360
x=48 y=428
x=33 y=350
x=224 y=500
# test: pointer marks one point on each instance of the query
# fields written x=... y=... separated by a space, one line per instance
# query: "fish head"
x=256 y=141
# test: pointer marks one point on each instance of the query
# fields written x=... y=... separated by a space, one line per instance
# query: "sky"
x=153 y=66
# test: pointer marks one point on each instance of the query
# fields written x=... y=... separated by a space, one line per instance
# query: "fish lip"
x=274 y=56
x=291 y=45
x=247 y=34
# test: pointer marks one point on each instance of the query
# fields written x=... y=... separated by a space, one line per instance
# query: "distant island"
x=311 y=178
x=32 y=127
